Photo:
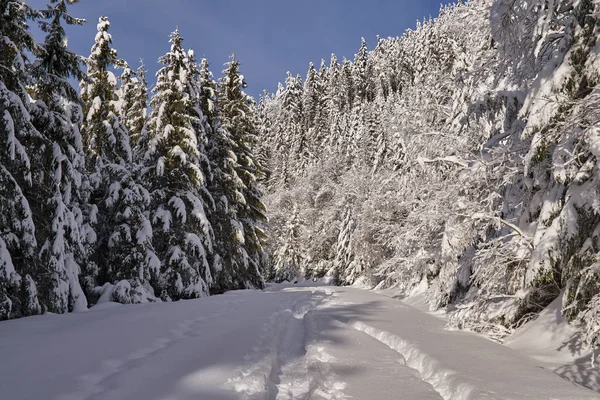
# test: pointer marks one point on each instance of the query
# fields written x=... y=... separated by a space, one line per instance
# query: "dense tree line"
x=101 y=201
x=460 y=159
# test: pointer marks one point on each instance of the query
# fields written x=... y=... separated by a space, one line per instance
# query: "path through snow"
x=286 y=343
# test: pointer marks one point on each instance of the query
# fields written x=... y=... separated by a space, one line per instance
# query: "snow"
x=6 y=266
x=144 y=234
x=160 y=166
x=179 y=153
x=179 y=207
x=304 y=341
x=193 y=240
x=558 y=346
x=163 y=215
x=78 y=297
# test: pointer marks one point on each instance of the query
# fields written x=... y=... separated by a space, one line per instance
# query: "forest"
x=102 y=200
x=459 y=159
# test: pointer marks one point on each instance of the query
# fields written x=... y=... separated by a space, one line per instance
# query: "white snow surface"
x=288 y=342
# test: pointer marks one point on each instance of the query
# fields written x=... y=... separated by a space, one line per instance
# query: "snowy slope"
x=288 y=342
x=557 y=346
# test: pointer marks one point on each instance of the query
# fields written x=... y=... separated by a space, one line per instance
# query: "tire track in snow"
x=94 y=384
x=258 y=379
x=444 y=380
x=289 y=371
x=305 y=372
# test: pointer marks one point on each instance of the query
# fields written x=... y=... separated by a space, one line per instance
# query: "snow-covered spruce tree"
x=133 y=105
x=238 y=118
x=315 y=111
x=225 y=186
x=106 y=139
x=344 y=258
x=178 y=170
x=562 y=162
x=291 y=130
x=60 y=185
x=19 y=142
x=123 y=253
x=288 y=261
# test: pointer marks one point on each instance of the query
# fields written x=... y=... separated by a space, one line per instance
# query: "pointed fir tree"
x=183 y=237
x=360 y=65
x=133 y=104
x=19 y=142
x=288 y=262
x=123 y=251
x=344 y=257
x=237 y=110
x=292 y=128
x=309 y=98
x=106 y=138
x=61 y=189
x=226 y=188
x=347 y=88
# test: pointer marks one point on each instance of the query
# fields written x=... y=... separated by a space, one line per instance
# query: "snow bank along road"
x=284 y=343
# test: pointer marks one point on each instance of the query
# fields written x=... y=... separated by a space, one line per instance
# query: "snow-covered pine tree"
x=123 y=251
x=133 y=107
x=288 y=261
x=321 y=122
x=130 y=262
x=361 y=76
x=344 y=254
x=105 y=137
x=60 y=187
x=225 y=187
x=348 y=88
x=238 y=117
x=292 y=127
x=176 y=156
x=309 y=98
x=314 y=106
x=19 y=141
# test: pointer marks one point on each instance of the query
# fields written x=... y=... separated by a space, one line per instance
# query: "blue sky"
x=269 y=37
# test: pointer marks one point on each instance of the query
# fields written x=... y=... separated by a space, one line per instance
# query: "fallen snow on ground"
x=288 y=342
x=557 y=346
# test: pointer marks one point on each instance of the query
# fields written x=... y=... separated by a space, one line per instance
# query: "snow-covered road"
x=287 y=342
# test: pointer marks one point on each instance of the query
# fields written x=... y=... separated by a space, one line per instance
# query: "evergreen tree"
x=123 y=250
x=106 y=138
x=226 y=188
x=133 y=96
x=344 y=258
x=293 y=129
x=288 y=262
x=348 y=88
x=309 y=98
x=176 y=155
x=238 y=118
x=323 y=104
x=19 y=141
x=60 y=187
x=127 y=259
x=360 y=76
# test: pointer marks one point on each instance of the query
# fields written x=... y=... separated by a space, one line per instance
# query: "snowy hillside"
x=288 y=342
x=462 y=156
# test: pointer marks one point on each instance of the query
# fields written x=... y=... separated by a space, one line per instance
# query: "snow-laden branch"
x=504 y=222
x=450 y=159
